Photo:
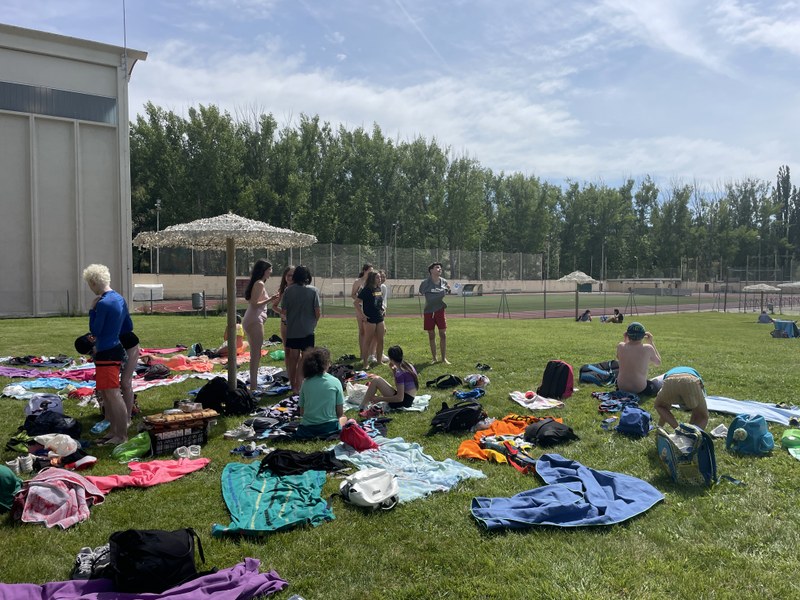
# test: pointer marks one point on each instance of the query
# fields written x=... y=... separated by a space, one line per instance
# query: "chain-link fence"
x=337 y=260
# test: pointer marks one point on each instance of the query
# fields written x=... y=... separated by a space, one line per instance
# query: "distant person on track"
x=635 y=353
x=434 y=288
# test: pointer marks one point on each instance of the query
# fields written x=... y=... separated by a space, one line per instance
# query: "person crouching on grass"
x=321 y=398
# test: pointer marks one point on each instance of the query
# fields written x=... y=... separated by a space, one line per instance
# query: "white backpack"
x=371 y=488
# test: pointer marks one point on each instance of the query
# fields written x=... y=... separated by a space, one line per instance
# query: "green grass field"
x=724 y=542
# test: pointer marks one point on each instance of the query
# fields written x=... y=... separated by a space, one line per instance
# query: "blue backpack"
x=634 y=422
x=687 y=455
x=749 y=434
x=602 y=373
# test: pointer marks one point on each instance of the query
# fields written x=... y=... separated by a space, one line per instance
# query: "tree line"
x=357 y=186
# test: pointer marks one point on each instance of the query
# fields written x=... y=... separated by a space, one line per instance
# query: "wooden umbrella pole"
x=230 y=267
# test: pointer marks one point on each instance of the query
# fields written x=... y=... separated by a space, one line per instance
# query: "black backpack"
x=549 y=432
x=50 y=421
x=557 y=381
x=216 y=395
x=342 y=372
x=239 y=401
x=459 y=417
x=152 y=560
x=445 y=381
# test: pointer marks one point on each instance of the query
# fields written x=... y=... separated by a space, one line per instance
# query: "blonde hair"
x=97 y=275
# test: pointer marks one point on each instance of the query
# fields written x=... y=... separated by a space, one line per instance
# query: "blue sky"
x=683 y=90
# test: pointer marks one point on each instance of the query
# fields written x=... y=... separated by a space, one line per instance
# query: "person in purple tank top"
x=406 y=383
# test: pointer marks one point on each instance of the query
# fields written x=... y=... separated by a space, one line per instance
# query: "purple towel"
x=239 y=582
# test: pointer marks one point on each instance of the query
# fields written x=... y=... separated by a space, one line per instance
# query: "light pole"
x=158 y=228
x=395 y=227
x=636 y=273
x=758 y=269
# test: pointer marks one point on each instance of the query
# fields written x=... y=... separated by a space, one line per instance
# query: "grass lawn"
x=723 y=542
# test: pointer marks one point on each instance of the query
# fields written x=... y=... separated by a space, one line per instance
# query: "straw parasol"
x=761 y=287
x=225 y=232
x=578 y=277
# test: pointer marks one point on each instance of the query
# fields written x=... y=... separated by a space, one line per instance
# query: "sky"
x=685 y=91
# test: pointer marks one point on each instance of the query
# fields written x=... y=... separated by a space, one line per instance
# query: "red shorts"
x=106 y=374
x=108 y=364
x=436 y=319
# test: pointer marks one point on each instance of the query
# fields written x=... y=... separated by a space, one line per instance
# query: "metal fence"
x=337 y=260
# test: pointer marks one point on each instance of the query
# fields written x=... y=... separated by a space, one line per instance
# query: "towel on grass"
x=576 y=496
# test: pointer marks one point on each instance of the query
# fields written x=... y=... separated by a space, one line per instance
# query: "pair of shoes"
x=376 y=410
x=91 y=563
x=242 y=432
x=25 y=464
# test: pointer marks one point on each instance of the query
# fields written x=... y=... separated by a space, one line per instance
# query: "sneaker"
x=372 y=360
x=248 y=447
x=13 y=465
x=181 y=452
x=25 y=463
x=384 y=359
x=194 y=451
x=84 y=563
x=102 y=559
x=242 y=432
x=100 y=427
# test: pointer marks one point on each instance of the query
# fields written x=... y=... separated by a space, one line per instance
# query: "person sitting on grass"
x=635 y=353
x=682 y=386
x=406 y=384
x=586 y=316
x=241 y=344
x=321 y=398
x=617 y=317
x=764 y=317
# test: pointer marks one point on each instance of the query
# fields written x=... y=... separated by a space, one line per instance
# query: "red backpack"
x=557 y=381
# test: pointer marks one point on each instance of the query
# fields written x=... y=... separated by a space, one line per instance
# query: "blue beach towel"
x=576 y=496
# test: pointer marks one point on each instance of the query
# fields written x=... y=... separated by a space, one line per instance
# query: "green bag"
x=277 y=355
x=134 y=448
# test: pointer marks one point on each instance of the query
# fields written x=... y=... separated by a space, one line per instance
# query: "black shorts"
x=300 y=343
x=650 y=390
x=408 y=401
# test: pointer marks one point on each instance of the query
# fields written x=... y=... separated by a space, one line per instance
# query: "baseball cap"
x=635 y=331
x=83 y=344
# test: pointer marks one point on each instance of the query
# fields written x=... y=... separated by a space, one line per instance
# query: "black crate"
x=168 y=440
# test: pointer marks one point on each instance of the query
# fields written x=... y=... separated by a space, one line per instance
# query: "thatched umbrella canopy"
x=578 y=277
x=225 y=232
x=761 y=287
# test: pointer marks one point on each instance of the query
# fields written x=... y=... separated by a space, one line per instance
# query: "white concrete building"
x=64 y=169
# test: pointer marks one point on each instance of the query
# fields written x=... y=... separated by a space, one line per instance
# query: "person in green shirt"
x=321 y=398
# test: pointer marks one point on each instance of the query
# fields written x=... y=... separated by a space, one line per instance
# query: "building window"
x=57 y=103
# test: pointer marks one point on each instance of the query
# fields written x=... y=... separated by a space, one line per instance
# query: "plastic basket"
x=166 y=441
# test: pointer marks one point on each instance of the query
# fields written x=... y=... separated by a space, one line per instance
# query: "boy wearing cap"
x=434 y=289
x=635 y=353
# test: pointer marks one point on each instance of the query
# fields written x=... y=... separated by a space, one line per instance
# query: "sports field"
x=724 y=542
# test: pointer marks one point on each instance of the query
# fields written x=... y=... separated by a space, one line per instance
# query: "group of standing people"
x=297 y=303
